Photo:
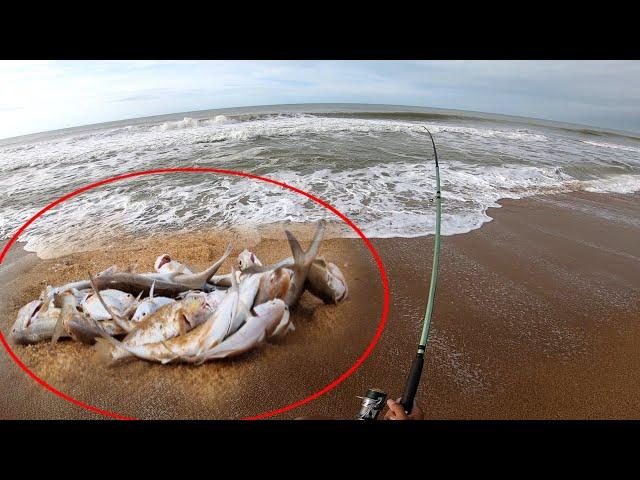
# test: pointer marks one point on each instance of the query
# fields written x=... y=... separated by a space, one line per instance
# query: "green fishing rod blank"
x=413 y=380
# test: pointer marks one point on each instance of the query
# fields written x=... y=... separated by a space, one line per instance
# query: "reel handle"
x=413 y=380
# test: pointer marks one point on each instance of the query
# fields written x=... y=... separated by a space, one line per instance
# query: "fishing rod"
x=413 y=380
x=373 y=401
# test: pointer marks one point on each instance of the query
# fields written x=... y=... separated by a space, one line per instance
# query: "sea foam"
x=379 y=172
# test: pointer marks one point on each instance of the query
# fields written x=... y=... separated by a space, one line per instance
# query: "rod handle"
x=413 y=380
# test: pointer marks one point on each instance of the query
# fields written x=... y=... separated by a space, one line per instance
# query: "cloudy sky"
x=47 y=95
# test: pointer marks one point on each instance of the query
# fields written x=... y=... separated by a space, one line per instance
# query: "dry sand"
x=536 y=317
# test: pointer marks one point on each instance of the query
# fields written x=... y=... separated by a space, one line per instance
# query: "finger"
x=416 y=412
x=397 y=409
x=390 y=414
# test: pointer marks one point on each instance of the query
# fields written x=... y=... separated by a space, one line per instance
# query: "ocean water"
x=375 y=164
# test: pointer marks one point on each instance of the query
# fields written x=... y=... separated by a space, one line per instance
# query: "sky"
x=37 y=96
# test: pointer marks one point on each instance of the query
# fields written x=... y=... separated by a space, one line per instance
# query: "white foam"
x=384 y=187
x=186 y=122
x=614 y=184
x=613 y=146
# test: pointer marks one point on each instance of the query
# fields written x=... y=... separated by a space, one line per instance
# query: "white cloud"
x=45 y=95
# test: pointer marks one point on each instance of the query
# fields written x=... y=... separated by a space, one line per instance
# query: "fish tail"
x=211 y=271
x=296 y=249
x=312 y=253
x=300 y=257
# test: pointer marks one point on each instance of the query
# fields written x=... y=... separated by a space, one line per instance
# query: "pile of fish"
x=174 y=314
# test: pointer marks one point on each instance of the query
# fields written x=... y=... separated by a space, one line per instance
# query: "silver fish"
x=34 y=325
x=80 y=327
x=256 y=329
x=190 y=346
x=168 y=322
x=193 y=280
x=302 y=262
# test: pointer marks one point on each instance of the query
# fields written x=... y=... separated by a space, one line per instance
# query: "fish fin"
x=253 y=269
x=203 y=277
x=174 y=354
x=134 y=305
x=120 y=321
x=234 y=280
x=216 y=266
x=241 y=307
x=44 y=298
x=182 y=327
x=58 y=330
x=296 y=249
x=244 y=308
x=104 y=350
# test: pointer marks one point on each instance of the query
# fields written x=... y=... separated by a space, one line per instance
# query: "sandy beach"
x=536 y=317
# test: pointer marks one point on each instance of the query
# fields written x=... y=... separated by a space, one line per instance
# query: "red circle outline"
x=291 y=406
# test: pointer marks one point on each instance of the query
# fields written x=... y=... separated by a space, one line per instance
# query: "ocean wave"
x=613 y=145
x=384 y=200
x=377 y=171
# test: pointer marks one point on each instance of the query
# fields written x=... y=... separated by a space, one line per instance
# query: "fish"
x=212 y=298
x=38 y=331
x=285 y=326
x=150 y=305
x=81 y=286
x=189 y=347
x=80 y=327
x=255 y=331
x=136 y=283
x=299 y=265
x=121 y=303
x=165 y=284
x=26 y=314
x=166 y=265
x=34 y=325
x=274 y=284
x=247 y=259
x=326 y=281
x=248 y=291
x=167 y=322
x=194 y=280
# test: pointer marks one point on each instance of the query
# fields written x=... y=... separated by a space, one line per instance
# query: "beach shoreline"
x=535 y=317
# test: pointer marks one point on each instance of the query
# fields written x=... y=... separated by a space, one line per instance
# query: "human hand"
x=396 y=411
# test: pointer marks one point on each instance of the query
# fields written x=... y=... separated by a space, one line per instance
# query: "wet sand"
x=536 y=317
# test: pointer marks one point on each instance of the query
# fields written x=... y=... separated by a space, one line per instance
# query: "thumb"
x=396 y=410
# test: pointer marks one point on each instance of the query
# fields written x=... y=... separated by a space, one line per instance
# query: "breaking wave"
x=378 y=171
